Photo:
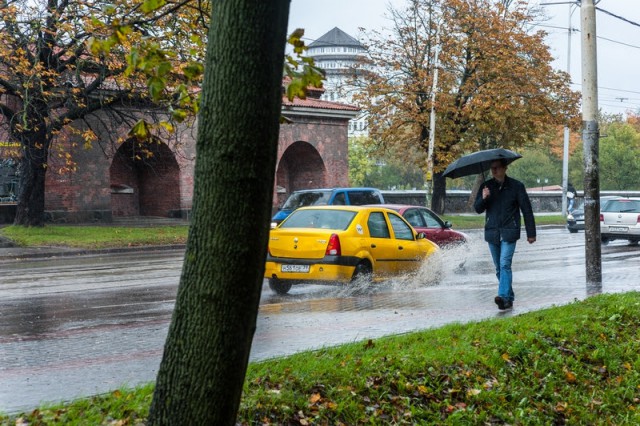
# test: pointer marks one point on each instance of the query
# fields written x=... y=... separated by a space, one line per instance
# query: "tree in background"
x=384 y=170
x=619 y=155
x=496 y=86
x=538 y=167
x=57 y=85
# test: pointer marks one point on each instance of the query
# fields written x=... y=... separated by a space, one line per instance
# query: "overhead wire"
x=604 y=98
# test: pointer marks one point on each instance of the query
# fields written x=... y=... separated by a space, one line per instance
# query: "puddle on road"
x=448 y=267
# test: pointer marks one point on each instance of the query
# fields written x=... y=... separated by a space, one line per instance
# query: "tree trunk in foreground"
x=207 y=349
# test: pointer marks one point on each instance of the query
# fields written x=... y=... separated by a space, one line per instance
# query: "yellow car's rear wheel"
x=363 y=272
x=279 y=286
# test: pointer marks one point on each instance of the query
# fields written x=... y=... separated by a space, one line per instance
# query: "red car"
x=424 y=220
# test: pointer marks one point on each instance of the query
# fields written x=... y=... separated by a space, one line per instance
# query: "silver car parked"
x=620 y=220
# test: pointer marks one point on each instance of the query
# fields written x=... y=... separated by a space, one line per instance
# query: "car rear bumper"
x=632 y=234
x=573 y=225
x=329 y=268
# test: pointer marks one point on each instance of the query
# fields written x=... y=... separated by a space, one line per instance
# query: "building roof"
x=317 y=103
x=336 y=37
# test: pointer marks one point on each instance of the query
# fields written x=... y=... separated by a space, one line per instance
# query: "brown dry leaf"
x=331 y=405
x=571 y=378
x=315 y=398
x=561 y=407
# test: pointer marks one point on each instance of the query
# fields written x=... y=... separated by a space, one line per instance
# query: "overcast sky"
x=618 y=40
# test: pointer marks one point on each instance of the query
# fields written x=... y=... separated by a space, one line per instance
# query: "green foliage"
x=574 y=364
x=361 y=162
x=300 y=69
x=536 y=163
x=382 y=169
x=619 y=158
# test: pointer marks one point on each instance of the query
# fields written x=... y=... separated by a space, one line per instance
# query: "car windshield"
x=338 y=220
x=303 y=199
x=622 y=206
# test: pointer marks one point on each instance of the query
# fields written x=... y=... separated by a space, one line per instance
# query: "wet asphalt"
x=74 y=324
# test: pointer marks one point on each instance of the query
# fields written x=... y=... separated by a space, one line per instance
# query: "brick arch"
x=145 y=180
x=300 y=167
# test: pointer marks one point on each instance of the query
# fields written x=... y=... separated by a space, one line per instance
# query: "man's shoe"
x=508 y=305
x=500 y=302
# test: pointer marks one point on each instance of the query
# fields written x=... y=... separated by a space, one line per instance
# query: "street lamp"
x=544 y=181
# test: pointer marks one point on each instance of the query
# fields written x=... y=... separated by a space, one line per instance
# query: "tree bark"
x=207 y=349
x=439 y=193
x=32 y=169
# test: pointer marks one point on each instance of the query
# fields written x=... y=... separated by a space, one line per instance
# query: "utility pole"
x=565 y=152
x=590 y=141
x=432 y=124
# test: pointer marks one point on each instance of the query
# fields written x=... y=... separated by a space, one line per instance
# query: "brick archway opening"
x=300 y=167
x=145 y=180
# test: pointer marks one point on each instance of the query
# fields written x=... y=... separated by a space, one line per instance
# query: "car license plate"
x=295 y=268
x=618 y=229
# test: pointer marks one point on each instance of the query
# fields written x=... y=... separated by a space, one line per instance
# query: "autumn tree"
x=496 y=86
x=56 y=85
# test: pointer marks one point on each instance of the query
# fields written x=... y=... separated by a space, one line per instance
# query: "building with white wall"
x=340 y=55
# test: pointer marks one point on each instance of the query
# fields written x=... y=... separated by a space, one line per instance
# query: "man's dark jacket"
x=503 y=206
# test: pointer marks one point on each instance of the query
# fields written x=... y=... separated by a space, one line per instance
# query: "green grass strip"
x=577 y=364
x=95 y=236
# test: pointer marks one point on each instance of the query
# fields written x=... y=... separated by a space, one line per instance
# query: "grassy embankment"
x=575 y=364
x=121 y=236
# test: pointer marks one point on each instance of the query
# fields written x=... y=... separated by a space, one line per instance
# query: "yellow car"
x=342 y=243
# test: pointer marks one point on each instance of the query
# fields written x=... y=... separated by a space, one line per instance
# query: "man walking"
x=503 y=198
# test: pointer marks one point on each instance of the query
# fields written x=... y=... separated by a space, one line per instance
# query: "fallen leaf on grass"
x=315 y=398
x=571 y=378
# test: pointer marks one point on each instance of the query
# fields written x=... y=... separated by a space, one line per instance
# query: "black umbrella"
x=478 y=162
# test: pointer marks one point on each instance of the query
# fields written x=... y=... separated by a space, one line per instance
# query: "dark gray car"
x=575 y=219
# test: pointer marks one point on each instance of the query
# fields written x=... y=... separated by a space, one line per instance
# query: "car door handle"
x=373 y=246
x=400 y=248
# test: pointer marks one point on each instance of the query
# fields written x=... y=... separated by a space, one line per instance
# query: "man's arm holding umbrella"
x=480 y=204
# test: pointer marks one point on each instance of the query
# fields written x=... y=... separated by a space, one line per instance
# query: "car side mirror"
x=447 y=224
x=421 y=236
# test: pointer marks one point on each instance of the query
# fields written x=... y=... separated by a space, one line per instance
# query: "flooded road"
x=77 y=326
